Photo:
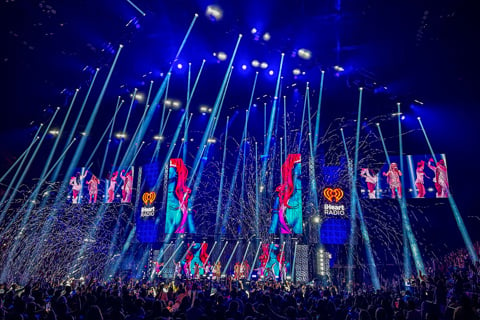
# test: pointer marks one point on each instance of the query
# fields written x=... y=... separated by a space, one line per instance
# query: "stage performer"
x=263 y=258
x=420 y=179
x=157 y=266
x=178 y=218
x=236 y=271
x=289 y=197
x=127 y=186
x=246 y=269
x=208 y=269
x=441 y=177
x=393 y=179
x=371 y=179
x=218 y=270
x=178 y=270
x=196 y=271
x=93 y=189
x=111 y=187
x=77 y=182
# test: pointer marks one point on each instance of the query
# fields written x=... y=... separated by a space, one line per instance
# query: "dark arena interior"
x=239 y=159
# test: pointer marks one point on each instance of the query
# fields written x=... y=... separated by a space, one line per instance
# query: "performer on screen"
x=93 y=189
x=393 y=179
x=111 y=187
x=127 y=186
x=77 y=182
x=178 y=219
x=441 y=177
x=420 y=179
x=289 y=197
x=371 y=179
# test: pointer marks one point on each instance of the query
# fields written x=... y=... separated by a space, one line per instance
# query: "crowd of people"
x=449 y=290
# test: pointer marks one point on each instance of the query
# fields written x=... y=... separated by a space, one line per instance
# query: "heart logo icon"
x=149 y=197
x=333 y=194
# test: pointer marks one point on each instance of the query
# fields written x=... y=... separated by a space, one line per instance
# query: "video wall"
x=287 y=209
x=424 y=176
x=166 y=206
x=178 y=215
x=116 y=187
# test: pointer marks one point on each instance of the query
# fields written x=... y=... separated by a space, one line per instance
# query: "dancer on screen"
x=77 y=182
x=371 y=179
x=393 y=179
x=111 y=187
x=127 y=185
x=420 y=179
x=289 y=216
x=178 y=219
x=93 y=189
x=441 y=177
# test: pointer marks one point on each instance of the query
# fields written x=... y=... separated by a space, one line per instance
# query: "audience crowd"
x=448 y=290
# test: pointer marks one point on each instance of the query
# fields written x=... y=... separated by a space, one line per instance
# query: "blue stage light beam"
x=353 y=223
x=285 y=126
x=136 y=8
x=173 y=255
x=182 y=149
x=244 y=142
x=411 y=171
x=410 y=237
x=387 y=157
x=23 y=156
x=363 y=228
x=199 y=166
x=24 y=172
x=353 y=176
x=230 y=259
x=257 y=194
x=221 y=252
x=185 y=134
x=246 y=251
x=266 y=147
x=319 y=108
x=311 y=161
x=212 y=123
x=368 y=247
x=406 y=252
x=254 y=260
x=54 y=147
x=142 y=119
x=222 y=178
x=307 y=93
x=77 y=120
x=88 y=129
x=32 y=200
x=453 y=205
x=109 y=141
x=124 y=130
x=156 y=100
x=92 y=154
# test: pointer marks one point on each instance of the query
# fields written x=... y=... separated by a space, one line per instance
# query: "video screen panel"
x=178 y=212
x=86 y=187
x=424 y=176
x=119 y=185
x=287 y=209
